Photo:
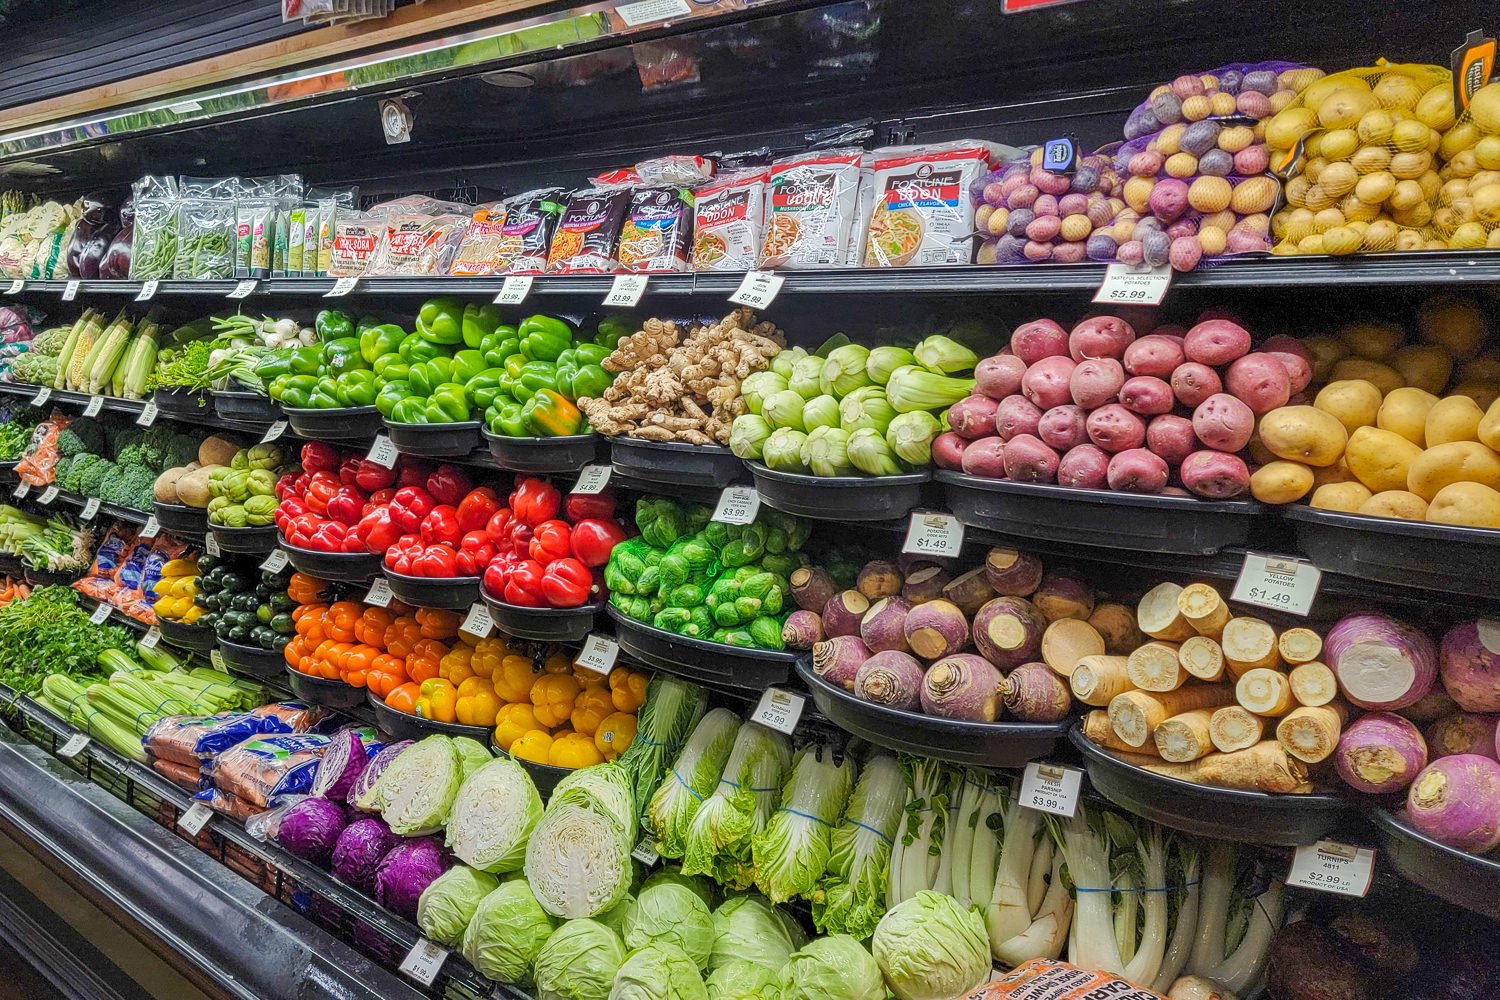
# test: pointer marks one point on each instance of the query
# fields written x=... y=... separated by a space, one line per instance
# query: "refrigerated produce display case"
x=429 y=443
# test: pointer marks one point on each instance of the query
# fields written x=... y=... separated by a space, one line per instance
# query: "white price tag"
x=21 y=490
x=513 y=290
x=779 y=709
x=598 y=654
x=152 y=638
x=758 y=289
x=148 y=290
x=101 y=614
x=275 y=562
x=341 y=287
x=148 y=414
x=73 y=747
x=1277 y=582
x=1329 y=866
x=15 y=287
x=211 y=544
x=48 y=495
x=934 y=534
x=274 y=431
x=423 y=961
x=626 y=291
x=243 y=289
x=646 y=852
x=1127 y=285
x=195 y=819
x=380 y=593
x=152 y=528
x=217 y=661
x=383 y=451
x=42 y=395
x=738 y=505
x=592 y=479
x=1051 y=788
x=90 y=509
x=70 y=290
x=96 y=404
x=478 y=622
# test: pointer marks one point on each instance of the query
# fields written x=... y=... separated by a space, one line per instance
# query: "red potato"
x=1029 y=460
x=1215 y=474
x=1115 y=428
x=985 y=458
x=1137 y=470
x=1086 y=466
x=1216 y=342
x=1096 y=382
x=1193 y=382
x=1154 y=355
x=1016 y=415
x=1260 y=381
x=999 y=376
x=1171 y=437
x=973 y=417
x=1046 y=382
x=1147 y=395
x=1041 y=338
x=1223 y=422
x=1063 y=427
x=1100 y=337
x=948 y=451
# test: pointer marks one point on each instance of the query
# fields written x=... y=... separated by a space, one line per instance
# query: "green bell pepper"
x=380 y=340
x=543 y=338
x=416 y=349
x=449 y=403
x=295 y=390
x=590 y=381
x=430 y=374
x=391 y=368
x=334 y=324
x=548 y=414
x=478 y=323
x=467 y=364
x=535 y=375
x=357 y=388
x=441 y=320
x=504 y=417
x=483 y=388
x=341 y=356
x=411 y=410
x=390 y=394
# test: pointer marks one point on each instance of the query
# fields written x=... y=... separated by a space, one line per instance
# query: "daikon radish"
x=1097 y=730
x=1299 y=645
x=1204 y=609
x=1157 y=614
x=1154 y=667
x=1265 y=767
x=1097 y=679
x=1184 y=737
x=1312 y=734
x=1264 y=692
x=1202 y=657
x=1067 y=641
x=1136 y=714
x=1249 y=643
x=1233 y=728
x=1313 y=684
x=1116 y=624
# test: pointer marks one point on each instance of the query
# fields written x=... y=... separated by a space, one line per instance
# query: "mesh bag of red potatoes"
x=1360 y=152
x=1032 y=214
x=1467 y=214
x=1239 y=90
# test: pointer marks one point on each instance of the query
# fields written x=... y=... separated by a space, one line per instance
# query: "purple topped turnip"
x=890 y=678
x=1456 y=801
x=837 y=660
x=962 y=686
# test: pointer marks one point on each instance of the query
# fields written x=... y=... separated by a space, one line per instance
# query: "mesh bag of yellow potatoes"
x=1468 y=203
x=1360 y=153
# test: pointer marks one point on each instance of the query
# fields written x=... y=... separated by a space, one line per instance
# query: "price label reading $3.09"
x=1278 y=583
x=934 y=534
x=1329 y=866
x=779 y=709
x=1051 y=788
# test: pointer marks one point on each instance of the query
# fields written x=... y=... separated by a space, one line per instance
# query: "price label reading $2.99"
x=1051 y=788
x=934 y=534
x=1329 y=866
x=779 y=709
x=1278 y=583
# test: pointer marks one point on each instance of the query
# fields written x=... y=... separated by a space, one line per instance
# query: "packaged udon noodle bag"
x=920 y=210
x=587 y=240
x=1238 y=90
x=728 y=214
x=1029 y=213
x=812 y=202
x=526 y=233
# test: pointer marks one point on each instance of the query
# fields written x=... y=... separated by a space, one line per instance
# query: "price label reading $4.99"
x=1051 y=788
x=1329 y=866
x=934 y=534
x=1278 y=583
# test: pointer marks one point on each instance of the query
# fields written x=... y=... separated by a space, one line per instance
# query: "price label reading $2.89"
x=934 y=534
x=1051 y=788
x=1278 y=583
x=1329 y=866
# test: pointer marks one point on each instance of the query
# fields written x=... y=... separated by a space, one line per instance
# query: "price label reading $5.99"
x=1051 y=788
x=1278 y=583
x=1329 y=866
x=934 y=534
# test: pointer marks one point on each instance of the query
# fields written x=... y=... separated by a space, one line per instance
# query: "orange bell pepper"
x=386 y=673
x=552 y=698
x=437 y=700
x=477 y=703
x=438 y=624
x=371 y=626
x=615 y=734
x=425 y=660
x=401 y=635
x=403 y=698
x=305 y=589
x=627 y=688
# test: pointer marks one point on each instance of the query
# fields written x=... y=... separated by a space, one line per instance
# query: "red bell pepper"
x=347 y=505
x=371 y=476
x=498 y=528
x=449 y=484
x=593 y=539
x=409 y=506
x=377 y=530
x=524 y=585
x=436 y=561
x=567 y=583
x=549 y=541
x=320 y=457
x=413 y=471
x=440 y=527
x=534 y=500
x=476 y=509
x=579 y=506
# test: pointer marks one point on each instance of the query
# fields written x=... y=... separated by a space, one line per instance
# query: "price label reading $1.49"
x=758 y=289
x=1277 y=582
x=1127 y=285
x=779 y=709
x=423 y=961
x=738 y=505
x=1051 y=788
x=934 y=534
x=1329 y=866
x=598 y=654
x=513 y=290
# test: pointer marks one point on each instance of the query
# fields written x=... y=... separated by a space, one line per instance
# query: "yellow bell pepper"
x=514 y=678
x=552 y=697
x=534 y=746
x=590 y=708
x=627 y=688
x=573 y=751
x=557 y=662
x=488 y=656
x=513 y=722
x=477 y=702
x=615 y=734
x=455 y=667
x=437 y=700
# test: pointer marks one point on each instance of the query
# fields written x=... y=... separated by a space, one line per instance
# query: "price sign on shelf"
x=933 y=534
x=341 y=287
x=758 y=289
x=48 y=495
x=598 y=654
x=96 y=403
x=1051 y=788
x=1329 y=866
x=593 y=479
x=738 y=505
x=513 y=290
x=148 y=290
x=1277 y=582
x=423 y=961
x=211 y=544
x=1127 y=285
x=243 y=289
x=148 y=414
x=101 y=614
x=646 y=852
x=70 y=291
x=626 y=291
x=195 y=819
x=73 y=747
x=274 y=431
x=21 y=490
x=380 y=593
x=152 y=528
x=383 y=451
x=42 y=395
x=478 y=622
x=15 y=287
x=275 y=562
x=779 y=709
x=152 y=638
x=216 y=659
x=90 y=509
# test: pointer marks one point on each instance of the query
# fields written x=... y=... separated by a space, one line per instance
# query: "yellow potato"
x=1454 y=462
x=1303 y=434
x=1404 y=411
x=1395 y=503
x=1346 y=497
x=1489 y=426
x=1454 y=418
x=1380 y=459
x=1383 y=376
x=1353 y=402
x=1372 y=340
x=1281 y=482
x=1424 y=366
x=1469 y=504
x=1338 y=472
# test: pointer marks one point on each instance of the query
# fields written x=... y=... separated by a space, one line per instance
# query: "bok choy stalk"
x=1235 y=959
x=1114 y=863
x=1028 y=912
x=692 y=777
x=851 y=899
x=792 y=852
x=917 y=858
x=718 y=839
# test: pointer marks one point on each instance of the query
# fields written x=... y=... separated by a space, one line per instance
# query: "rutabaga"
x=693 y=776
x=916 y=859
x=851 y=899
x=719 y=837
x=492 y=818
x=1240 y=968
x=792 y=852
x=1027 y=911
